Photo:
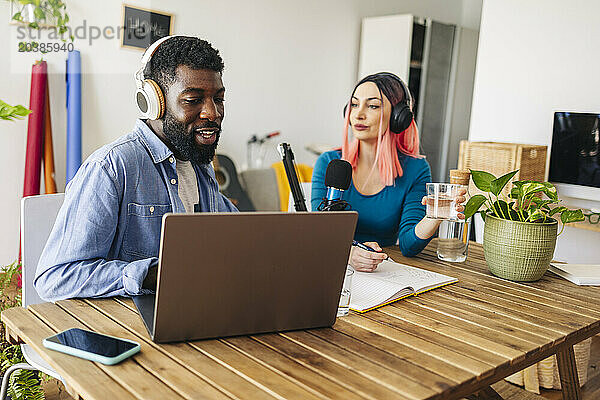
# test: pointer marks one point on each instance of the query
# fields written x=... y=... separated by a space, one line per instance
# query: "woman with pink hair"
x=388 y=173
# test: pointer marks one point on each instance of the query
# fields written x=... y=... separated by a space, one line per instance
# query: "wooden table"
x=444 y=344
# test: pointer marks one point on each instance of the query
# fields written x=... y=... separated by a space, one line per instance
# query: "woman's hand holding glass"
x=365 y=260
x=459 y=200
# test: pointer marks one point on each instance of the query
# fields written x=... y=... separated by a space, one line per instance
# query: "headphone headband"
x=406 y=92
x=152 y=49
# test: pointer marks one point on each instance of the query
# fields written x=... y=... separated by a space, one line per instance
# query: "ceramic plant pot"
x=518 y=251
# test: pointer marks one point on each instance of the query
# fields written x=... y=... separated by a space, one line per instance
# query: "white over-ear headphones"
x=149 y=98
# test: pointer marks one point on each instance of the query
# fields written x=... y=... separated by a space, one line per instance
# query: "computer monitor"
x=575 y=155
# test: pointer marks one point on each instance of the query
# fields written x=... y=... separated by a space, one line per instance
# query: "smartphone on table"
x=92 y=346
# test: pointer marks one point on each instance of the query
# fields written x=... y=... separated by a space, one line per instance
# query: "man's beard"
x=185 y=143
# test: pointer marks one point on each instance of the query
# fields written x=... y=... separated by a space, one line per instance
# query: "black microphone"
x=337 y=180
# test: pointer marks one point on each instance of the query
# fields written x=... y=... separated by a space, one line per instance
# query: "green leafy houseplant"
x=520 y=229
x=23 y=384
x=37 y=13
x=526 y=202
x=10 y=113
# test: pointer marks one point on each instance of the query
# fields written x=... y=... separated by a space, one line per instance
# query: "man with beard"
x=105 y=241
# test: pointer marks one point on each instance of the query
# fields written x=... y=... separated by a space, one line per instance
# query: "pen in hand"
x=365 y=247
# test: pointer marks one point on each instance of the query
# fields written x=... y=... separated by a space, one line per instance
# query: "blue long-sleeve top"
x=390 y=215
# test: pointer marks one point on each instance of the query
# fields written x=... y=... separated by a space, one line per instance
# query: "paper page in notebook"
x=391 y=281
x=579 y=274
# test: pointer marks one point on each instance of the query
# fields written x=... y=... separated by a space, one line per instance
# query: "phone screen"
x=92 y=342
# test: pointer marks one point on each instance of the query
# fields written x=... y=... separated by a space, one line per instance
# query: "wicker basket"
x=545 y=373
x=518 y=251
x=501 y=158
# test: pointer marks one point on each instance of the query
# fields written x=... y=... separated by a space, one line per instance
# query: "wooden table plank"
x=343 y=375
x=502 y=324
x=222 y=376
x=511 y=346
x=449 y=332
x=572 y=296
x=408 y=353
x=153 y=362
x=455 y=344
x=407 y=383
x=435 y=350
x=506 y=306
x=383 y=358
x=326 y=388
x=534 y=301
x=508 y=311
x=246 y=366
x=96 y=383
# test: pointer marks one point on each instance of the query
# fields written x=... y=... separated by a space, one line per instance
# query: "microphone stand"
x=290 y=170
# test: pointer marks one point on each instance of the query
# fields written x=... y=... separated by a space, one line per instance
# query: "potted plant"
x=520 y=230
x=41 y=14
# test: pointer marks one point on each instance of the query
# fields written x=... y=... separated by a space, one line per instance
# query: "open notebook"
x=579 y=274
x=390 y=282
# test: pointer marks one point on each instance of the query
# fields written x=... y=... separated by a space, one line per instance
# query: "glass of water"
x=441 y=202
x=453 y=240
x=344 y=306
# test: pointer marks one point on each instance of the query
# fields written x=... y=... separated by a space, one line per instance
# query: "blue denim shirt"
x=107 y=232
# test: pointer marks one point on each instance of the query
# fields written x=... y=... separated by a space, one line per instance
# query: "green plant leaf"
x=21 y=111
x=497 y=185
x=473 y=205
x=17 y=17
x=483 y=214
x=550 y=191
x=514 y=192
x=9 y=113
x=569 y=216
x=504 y=211
x=536 y=215
x=529 y=188
x=557 y=210
x=543 y=204
x=39 y=13
x=482 y=179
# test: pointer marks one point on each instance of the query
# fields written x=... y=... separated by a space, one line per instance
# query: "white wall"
x=536 y=57
x=289 y=67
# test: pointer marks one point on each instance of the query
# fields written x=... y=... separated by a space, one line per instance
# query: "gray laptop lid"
x=225 y=274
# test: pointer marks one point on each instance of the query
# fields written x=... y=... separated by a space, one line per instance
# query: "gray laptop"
x=226 y=274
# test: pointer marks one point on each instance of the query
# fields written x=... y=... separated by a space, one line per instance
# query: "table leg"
x=485 y=394
x=567 y=369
